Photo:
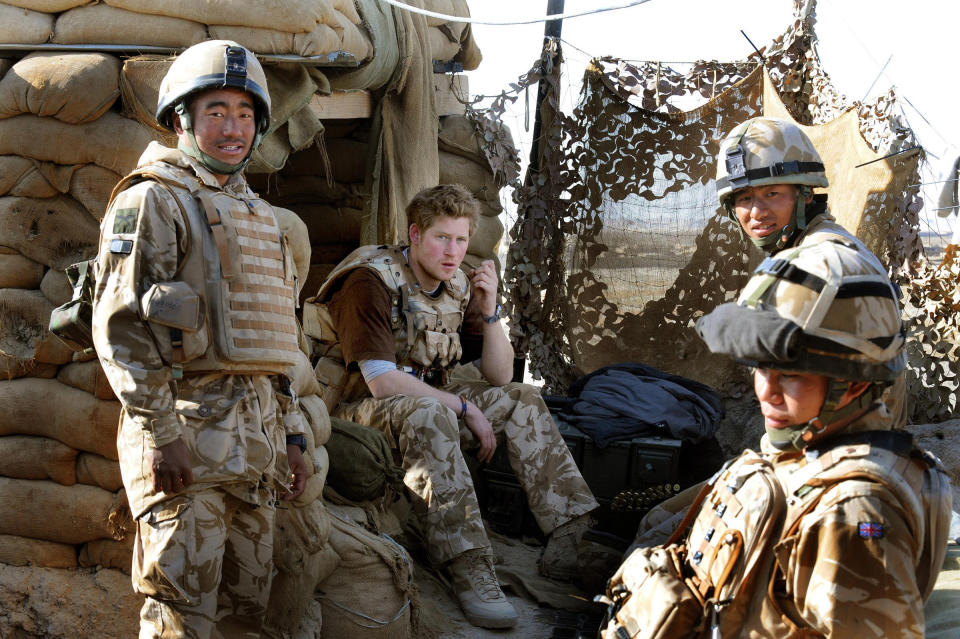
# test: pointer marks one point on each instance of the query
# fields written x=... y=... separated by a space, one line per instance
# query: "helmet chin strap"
x=211 y=163
x=830 y=418
x=798 y=222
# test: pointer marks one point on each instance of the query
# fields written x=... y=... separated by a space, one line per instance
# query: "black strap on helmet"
x=235 y=72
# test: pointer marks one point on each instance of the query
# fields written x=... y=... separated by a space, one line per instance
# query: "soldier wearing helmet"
x=194 y=325
x=838 y=526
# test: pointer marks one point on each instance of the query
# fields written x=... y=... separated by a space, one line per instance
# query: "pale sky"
x=857 y=37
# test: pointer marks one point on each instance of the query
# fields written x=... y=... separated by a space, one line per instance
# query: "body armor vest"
x=239 y=276
x=425 y=328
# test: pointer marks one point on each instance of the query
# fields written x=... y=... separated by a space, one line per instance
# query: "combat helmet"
x=769 y=151
x=213 y=64
x=821 y=308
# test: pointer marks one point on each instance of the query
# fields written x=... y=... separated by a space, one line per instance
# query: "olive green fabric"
x=361 y=463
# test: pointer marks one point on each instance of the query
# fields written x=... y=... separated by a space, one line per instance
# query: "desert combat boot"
x=476 y=585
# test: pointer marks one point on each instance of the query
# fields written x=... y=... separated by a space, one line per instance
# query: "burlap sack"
x=87 y=376
x=442 y=48
x=298 y=237
x=103 y=24
x=272 y=154
x=475 y=177
x=348 y=161
x=107 y=553
x=22 y=177
x=47 y=6
x=56 y=287
x=29 y=457
x=353 y=39
x=370 y=593
x=348 y=9
x=24 y=317
x=56 y=231
x=24 y=26
x=14 y=368
x=458 y=135
x=76 y=418
x=72 y=87
x=290 y=190
x=94 y=470
x=316 y=413
x=292 y=16
x=486 y=238
x=91 y=186
x=41 y=509
x=17 y=271
x=22 y=551
x=111 y=141
x=473 y=261
x=327 y=224
x=320 y=40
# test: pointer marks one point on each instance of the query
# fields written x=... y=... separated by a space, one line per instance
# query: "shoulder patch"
x=870 y=530
x=125 y=221
x=121 y=247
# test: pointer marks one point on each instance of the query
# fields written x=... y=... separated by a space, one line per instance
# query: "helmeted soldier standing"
x=404 y=316
x=194 y=325
x=838 y=526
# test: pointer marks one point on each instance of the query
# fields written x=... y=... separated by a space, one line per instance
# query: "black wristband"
x=299 y=441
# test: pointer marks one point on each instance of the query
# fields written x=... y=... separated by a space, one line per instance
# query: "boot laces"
x=482 y=576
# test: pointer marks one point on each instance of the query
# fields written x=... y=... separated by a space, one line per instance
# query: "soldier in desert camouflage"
x=838 y=526
x=194 y=325
x=404 y=317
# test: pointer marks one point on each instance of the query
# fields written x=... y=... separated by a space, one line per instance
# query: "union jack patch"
x=870 y=530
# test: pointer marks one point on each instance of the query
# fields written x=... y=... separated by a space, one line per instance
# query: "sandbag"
x=107 y=553
x=24 y=317
x=458 y=135
x=292 y=16
x=28 y=457
x=485 y=239
x=56 y=287
x=352 y=38
x=371 y=591
x=94 y=470
x=112 y=141
x=140 y=87
x=320 y=40
x=23 y=551
x=24 y=26
x=328 y=224
x=272 y=154
x=348 y=161
x=91 y=186
x=56 y=231
x=289 y=190
x=104 y=24
x=475 y=177
x=76 y=418
x=301 y=374
x=471 y=261
x=21 y=176
x=87 y=376
x=14 y=367
x=316 y=413
x=17 y=271
x=47 y=6
x=41 y=509
x=442 y=48
x=348 y=9
x=297 y=235
x=72 y=87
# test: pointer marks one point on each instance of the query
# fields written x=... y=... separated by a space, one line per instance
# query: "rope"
x=557 y=16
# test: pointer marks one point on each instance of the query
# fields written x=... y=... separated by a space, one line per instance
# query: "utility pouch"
x=72 y=322
x=178 y=307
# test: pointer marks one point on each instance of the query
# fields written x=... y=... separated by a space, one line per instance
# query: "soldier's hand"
x=480 y=426
x=485 y=280
x=170 y=467
x=298 y=472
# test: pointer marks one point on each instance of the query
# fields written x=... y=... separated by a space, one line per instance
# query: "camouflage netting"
x=620 y=244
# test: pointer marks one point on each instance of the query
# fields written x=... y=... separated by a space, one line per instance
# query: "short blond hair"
x=450 y=200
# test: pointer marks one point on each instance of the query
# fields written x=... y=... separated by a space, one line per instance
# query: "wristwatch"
x=299 y=441
x=490 y=319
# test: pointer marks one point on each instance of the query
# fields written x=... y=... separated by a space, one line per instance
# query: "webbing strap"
x=219 y=233
x=739 y=178
x=783 y=269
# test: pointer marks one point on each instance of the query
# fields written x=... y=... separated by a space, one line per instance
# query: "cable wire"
x=557 y=16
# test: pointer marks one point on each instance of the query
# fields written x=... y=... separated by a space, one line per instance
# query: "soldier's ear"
x=414 y=232
x=854 y=390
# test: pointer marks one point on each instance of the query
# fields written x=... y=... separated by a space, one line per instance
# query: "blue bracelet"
x=463 y=408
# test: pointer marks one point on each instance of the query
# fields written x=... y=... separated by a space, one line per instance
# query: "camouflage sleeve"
x=852 y=567
x=141 y=237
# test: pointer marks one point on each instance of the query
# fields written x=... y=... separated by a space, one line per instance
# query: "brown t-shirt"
x=360 y=311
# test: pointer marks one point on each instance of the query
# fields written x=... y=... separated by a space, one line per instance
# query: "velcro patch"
x=870 y=530
x=125 y=221
x=121 y=247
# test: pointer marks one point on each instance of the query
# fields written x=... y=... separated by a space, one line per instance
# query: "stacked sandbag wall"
x=452 y=41
x=287 y=27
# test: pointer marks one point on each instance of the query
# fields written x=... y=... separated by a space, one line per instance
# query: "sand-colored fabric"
x=320 y=40
x=17 y=271
x=47 y=6
x=23 y=551
x=72 y=87
x=860 y=195
x=487 y=237
x=14 y=368
x=83 y=513
x=304 y=382
x=297 y=235
x=477 y=178
x=111 y=141
x=22 y=177
x=293 y=16
x=24 y=26
x=91 y=186
x=77 y=419
x=107 y=553
x=318 y=417
x=328 y=224
x=103 y=24
x=87 y=376
x=28 y=457
x=349 y=161
x=56 y=287
x=94 y=470
x=56 y=232
x=380 y=22
x=24 y=318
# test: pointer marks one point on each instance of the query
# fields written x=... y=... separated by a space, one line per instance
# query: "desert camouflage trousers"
x=431 y=443
x=204 y=561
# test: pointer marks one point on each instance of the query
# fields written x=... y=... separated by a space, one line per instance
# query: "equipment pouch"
x=72 y=322
x=177 y=306
x=650 y=598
